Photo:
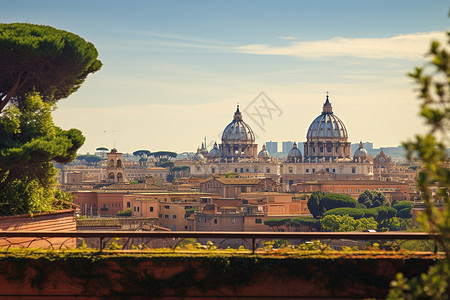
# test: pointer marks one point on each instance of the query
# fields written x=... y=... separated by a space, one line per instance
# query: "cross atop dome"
x=327 y=109
x=237 y=114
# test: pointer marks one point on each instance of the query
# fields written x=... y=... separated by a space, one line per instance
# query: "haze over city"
x=174 y=71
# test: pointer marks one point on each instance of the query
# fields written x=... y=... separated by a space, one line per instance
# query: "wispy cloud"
x=176 y=37
x=287 y=37
x=408 y=46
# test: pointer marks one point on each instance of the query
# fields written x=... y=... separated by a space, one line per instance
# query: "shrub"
x=385 y=213
x=124 y=213
x=333 y=200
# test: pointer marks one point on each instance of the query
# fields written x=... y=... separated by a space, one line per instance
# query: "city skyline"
x=174 y=71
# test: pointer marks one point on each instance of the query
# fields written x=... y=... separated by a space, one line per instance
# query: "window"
x=314 y=170
x=334 y=170
x=134 y=208
x=166 y=206
x=258 y=221
x=291 y=182
x=353 y=170
x=198 y=168
x=268 y=170
x=290 y=169
x=199 y=220
x=242 y=170
x=166 y=216
x=243 y=189
x=235 y=170
x=256 y=170
x=233 y=221
x=138 y=208
x=329 y=149
x=174 y=216
x=185 y=227
x=321 y=149
x=328 y=169
x=213 y=170
x=151 y=208
x=215 y=221
x=307 y=170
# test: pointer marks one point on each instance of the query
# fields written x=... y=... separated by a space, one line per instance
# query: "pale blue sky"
x=174 y=70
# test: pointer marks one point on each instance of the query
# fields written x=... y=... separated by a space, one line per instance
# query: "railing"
x=16 y=238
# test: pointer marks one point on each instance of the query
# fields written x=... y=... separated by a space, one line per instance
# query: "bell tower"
x=115 y=168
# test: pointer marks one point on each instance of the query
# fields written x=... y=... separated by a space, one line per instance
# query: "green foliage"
x=40 y=58
x=315 y=206
x=124 y=213
x=404 y=209
x=385 y=212
x=334 y=200
x=29 y=141
x=430 y=148
x=372 y=199
x=360 y=205
x=405 y=213
x=337 y=223
x=342 y=211
x=392 y=224
x=166 y=164
x=430 y=285
x=190 y=211
x=306 y=221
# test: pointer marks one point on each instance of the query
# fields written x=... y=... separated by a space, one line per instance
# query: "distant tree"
x=164 y=155
x=43 y=59
x=310 y=222
x=334 y=200
x=143 y=154
x=404 y=209
x=91 y=160
x=166 y=164
x=373 y=199
x=342 y=211
x=315 y=206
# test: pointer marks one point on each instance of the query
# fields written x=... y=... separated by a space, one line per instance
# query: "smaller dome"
x=263 y=153
x=215 y=152
x=361 y=152
x=294 y=153
x=198 y=156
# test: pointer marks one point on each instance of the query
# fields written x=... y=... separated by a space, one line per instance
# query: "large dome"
x=327 y=125
x=238 y=131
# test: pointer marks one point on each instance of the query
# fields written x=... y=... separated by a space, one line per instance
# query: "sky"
x=174 y=71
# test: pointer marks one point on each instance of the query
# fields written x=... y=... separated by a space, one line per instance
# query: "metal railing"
x=9 y=236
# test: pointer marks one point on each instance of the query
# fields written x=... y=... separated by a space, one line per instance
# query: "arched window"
x=119 y=177
x=111 y=176
x=111 y=163
x=119 y=163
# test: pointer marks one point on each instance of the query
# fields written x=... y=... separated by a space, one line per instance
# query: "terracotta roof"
x=239 y=180
x=132 y=186
x=354 y=182
x=98 y=223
